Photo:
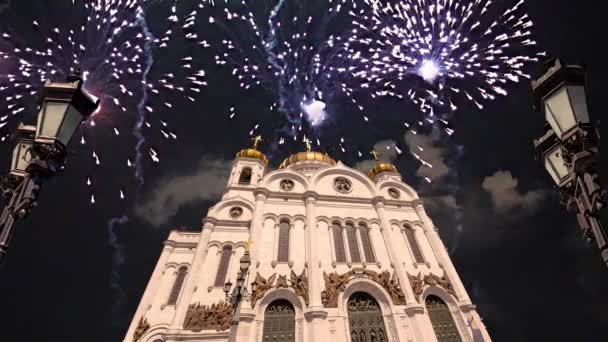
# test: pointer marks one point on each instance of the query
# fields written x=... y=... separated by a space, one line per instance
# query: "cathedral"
x=317 y=251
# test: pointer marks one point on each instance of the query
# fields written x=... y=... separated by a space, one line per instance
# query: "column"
x=193 y=274
x=312 y=256
x=315 y=313
x=396 y=261
x=255 y=230
x=151 y=289
x=442 y=254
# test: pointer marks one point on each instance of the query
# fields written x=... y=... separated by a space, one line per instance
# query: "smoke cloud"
x=502 y=186
x=387 y=151
x=425 y=147
x=173 y=192
x=118 y=259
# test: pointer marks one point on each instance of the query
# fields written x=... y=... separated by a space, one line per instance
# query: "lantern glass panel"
x=21 y=157
x=555 y=165
x=50 y=119
x=70 y=124
x=559 y=113
x=579 y=103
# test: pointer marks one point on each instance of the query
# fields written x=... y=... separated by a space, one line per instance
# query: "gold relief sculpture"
x=335 y=284
x=263 y=286
x=282 y=282
x=418 y=283
x=299 y=283
x=203 y=317
x=141 y=329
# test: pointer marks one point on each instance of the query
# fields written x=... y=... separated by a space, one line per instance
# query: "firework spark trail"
x=141 y=107
x=462 y=51
x=118 y=259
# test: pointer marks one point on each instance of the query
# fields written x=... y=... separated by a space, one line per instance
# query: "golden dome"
x=382 y=167
x=252 y=153
x=307 y=156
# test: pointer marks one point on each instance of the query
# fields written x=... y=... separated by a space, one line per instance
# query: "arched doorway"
x=442 y=320
x=279 y=322
x=365 y=319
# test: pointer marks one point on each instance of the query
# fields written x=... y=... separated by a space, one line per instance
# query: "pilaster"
x=399 y=268
x=193 y=274
x=442 y=255
x=151 y=290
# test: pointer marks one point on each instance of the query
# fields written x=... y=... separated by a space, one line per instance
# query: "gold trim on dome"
x=252 y=153
x=307 y=156
x=382 y=167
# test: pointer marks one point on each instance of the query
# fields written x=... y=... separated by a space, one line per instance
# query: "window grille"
x=222 y=269
x=442 y=320
x=279 y=322
x=366 y=242
x=338 y=242
x=245 y=177
x=283 y=252
x=353 y=246
x=411 y=240
x=177 y=285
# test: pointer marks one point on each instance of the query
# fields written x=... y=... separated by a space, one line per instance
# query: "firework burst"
x=112 y=45
x=441 y=53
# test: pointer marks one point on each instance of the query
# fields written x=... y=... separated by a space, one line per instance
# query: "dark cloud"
x=502 y=186
x=173 y=192
x=4 y=5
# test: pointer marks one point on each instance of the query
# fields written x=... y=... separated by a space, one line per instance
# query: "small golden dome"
x=382 y=167
x=253 y=153
x=307 y=156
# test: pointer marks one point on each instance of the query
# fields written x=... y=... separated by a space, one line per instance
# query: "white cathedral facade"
x=336 y=255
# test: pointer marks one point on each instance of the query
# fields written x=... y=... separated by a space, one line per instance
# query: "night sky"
x=518 y=252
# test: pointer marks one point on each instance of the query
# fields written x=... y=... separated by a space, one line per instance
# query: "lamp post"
x=40 y=151
x=569 y=148
x=239 y=292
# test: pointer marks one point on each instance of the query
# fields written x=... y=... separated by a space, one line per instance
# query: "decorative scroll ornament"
x=141 y=329
x=263 y=286
x=203 y=317
x=299 y=283
x=418 y=282
x=282 y=282
x=336 y=283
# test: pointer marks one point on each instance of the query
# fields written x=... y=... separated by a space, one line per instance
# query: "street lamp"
x=240 y=293
x=40 y=151
x=569 y=149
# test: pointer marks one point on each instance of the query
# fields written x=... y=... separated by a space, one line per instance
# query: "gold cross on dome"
x=256 y=141
x=248 y=244
x=376 y=155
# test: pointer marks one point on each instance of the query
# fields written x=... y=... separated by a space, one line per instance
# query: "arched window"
x=353 y=246
x=411 y=240
x=279 y=322
x=177 y=285
x=283 y=252
x=365 y=320
x=222 y=269
x=245 y=177
x=442 y=320
x=366 y=242
x=338 y=242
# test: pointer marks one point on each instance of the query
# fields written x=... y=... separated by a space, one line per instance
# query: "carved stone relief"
x=287 y=185
x=142 y=328
x=342 y=185
x=394 y=193
x=299 y=283
x=418 y=282
x=263 y=286
x=203 y=317
x=236 y=212
x=336 y=283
